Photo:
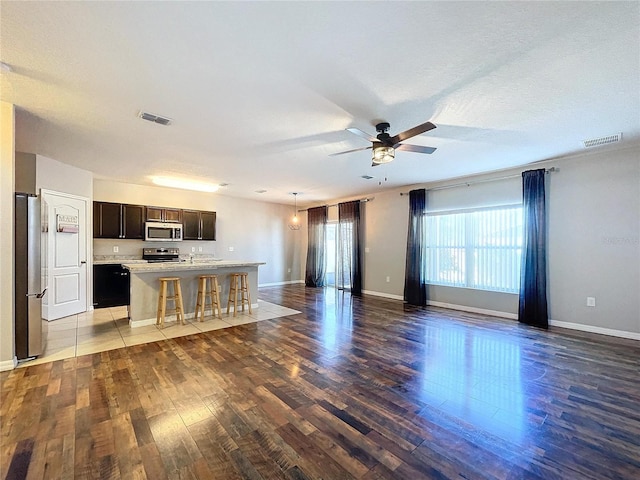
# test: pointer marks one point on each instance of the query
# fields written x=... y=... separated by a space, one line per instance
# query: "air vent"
x=154 y=118
x=366 y=177
x=223 y=184
x=261 y=191
x=596 y=142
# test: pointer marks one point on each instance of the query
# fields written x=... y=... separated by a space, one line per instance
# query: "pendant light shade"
x=295 y=221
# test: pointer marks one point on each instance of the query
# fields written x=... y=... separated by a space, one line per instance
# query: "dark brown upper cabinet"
x=198 y=225
x=116 y=220
x=163 y=214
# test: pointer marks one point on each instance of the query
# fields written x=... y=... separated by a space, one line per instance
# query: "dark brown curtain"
x=349 y=261
x=532 y=308
x=316 y=261
x=415 y=289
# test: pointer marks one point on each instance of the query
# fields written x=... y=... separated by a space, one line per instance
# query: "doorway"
x=331 y=251
x=64 y=257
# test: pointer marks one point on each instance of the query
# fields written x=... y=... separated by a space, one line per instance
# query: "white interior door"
x=65 y=256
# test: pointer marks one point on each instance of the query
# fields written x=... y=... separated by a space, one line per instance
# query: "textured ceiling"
x=261 y=93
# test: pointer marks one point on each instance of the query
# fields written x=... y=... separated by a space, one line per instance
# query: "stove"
x=152 y=255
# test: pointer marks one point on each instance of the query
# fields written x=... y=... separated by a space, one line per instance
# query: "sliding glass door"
x=331 y=251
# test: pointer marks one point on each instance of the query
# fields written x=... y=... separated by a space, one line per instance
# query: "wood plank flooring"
x=349 y=388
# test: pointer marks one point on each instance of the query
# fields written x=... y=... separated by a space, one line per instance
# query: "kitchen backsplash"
x=133 y=248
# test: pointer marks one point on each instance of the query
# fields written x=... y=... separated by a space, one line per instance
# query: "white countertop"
x=112 y=261
x=136 y=267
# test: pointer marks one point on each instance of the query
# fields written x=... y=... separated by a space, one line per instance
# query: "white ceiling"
x=260 y=93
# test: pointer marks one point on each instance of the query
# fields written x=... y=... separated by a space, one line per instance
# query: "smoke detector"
x=151 y=117
x=596 y=142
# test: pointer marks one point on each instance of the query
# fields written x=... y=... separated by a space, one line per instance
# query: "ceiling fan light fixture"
x=383 y=154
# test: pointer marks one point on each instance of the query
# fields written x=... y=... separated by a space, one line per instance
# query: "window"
x=475 y=249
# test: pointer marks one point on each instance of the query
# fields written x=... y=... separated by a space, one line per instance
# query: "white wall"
x=257 y=231
x=60 y=177
x=7 y=273
x=594 y=240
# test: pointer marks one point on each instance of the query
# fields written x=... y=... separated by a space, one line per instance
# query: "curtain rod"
x=362 y=200
x=467 y=184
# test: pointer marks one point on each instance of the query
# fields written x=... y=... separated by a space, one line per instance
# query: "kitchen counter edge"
x=181 y=266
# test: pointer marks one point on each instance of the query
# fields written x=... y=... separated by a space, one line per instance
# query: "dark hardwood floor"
x=349 y=388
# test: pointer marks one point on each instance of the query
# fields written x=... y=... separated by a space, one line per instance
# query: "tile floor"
x=108 y=329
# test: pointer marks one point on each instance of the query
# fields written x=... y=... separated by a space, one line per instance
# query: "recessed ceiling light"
x=5 y=68
x=185 y=184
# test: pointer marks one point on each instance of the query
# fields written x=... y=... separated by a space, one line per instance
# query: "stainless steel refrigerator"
x=30 y=339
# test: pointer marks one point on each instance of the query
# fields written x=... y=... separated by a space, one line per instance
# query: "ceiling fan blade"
x=415 y=148
x=412 y=132
x=350 y=151
x=360 y=133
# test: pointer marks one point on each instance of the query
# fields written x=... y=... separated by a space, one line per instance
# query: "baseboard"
x=275 y=284
x=172 y=318
x=8 y=364
x=481 y=311
x=383 y=295
x=591 y=329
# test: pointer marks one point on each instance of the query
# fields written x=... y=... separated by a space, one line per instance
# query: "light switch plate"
x=591 y=301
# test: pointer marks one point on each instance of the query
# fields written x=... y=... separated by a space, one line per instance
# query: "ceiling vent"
x=154 y=118
x=596 y=142
x=366 y=177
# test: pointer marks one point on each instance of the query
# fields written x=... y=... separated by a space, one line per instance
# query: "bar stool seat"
x=176 y=298
x=208 y=289
x=239 y=284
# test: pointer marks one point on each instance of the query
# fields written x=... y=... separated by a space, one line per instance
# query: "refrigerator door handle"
x=37 y=295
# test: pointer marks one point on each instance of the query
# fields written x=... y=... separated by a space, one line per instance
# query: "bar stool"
x=208 y=288
x=239 y=285
x=176 y=298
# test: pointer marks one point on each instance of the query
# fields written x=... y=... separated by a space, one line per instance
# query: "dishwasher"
x=110 y=286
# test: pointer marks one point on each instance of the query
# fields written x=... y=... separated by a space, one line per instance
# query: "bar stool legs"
x=208 y=288
x=163 y=297
x=239 y=285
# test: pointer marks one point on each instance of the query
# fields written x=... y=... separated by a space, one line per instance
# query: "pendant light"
x=295 y=221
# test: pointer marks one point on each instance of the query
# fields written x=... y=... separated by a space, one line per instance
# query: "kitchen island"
x=145 y=285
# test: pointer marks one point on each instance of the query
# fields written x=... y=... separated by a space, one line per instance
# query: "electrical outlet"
x=200 y=249
x=591 y=301
x=366 y=249
x=115 y=249
x=231 y=249
x=193 y=249
x=388 y=279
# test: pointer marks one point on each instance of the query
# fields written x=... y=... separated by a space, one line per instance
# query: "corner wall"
x=7 y=272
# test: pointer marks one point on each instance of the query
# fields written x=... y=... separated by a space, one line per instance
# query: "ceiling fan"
x=384 y=145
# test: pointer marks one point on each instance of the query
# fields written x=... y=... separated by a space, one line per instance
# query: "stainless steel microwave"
x=162 y=232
